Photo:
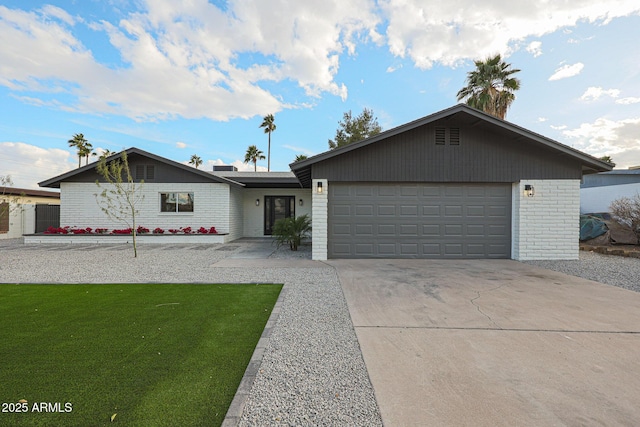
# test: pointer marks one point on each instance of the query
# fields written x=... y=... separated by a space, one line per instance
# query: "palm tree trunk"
x=269 y=154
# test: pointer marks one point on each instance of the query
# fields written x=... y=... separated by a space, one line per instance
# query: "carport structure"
x=455 y=184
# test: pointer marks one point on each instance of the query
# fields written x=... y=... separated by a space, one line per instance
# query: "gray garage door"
x=419 y=220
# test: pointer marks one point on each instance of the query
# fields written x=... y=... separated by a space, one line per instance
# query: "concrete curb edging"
x=234 y=414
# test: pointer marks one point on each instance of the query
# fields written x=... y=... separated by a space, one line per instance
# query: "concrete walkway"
x=494 y=343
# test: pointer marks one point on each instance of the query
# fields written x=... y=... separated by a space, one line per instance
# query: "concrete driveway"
x=488 y=343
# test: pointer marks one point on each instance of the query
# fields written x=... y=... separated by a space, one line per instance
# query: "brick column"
x=319 y=211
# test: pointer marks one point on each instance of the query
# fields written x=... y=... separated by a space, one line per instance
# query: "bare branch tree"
x=626 y=210
x=118 y=199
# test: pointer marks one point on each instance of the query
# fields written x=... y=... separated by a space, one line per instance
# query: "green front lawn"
x=152 y=354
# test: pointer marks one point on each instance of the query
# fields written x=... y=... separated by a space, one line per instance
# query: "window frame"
x=177 y=195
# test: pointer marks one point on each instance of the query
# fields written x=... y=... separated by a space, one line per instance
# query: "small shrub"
x=100 y=230
x=158 y=230
x=626 y=210
x=142 y=230
x=186 y=230
x=292 y=231
x=173 y=231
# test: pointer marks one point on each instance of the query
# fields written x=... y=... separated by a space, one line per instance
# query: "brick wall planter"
x=125 y=238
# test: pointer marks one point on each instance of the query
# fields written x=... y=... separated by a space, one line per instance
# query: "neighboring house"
x=456 y=184
x=18 y=209
x=597 y=191
x=237 y=204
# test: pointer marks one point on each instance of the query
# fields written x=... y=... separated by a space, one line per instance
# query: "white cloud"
x=567 y=71
x=542 y=119
x=186 y=59
x=391 y=69
x=181 y=145
x=194 y=60
x=535 y=48
x=619 y=139
x=300 y=150
x=28 y=164
x=593 y=93
x=451 y=32
x=558 y=127
x=628 y=100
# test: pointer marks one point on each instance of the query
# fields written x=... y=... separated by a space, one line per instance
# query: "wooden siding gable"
x=477 y=154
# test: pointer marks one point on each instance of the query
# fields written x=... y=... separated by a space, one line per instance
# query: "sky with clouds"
x=196 y=77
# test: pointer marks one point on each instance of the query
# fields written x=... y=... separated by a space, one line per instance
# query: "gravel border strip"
x=234 y=414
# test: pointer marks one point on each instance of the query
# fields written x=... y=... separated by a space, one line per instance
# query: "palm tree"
x=87 y=150
x=195 y=160
x=78 y=142
x=490 y=87
x=269 y=126
x=253 y=155
x=300 y=157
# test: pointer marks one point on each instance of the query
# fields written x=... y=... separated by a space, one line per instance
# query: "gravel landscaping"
x=312 y=372
x=609 y=269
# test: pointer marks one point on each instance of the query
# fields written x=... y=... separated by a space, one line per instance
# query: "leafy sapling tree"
x=120 y=194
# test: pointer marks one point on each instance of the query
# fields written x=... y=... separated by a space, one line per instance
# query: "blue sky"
x=183 y=78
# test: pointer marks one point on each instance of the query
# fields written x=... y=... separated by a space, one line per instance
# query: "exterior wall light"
x=319 y=188
x=257 y=202
x=529 y=191
x=300 y=202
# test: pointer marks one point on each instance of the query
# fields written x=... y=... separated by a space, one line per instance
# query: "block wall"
x=546 y=225
x=211 y=207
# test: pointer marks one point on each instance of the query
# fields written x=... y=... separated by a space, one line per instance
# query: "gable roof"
x=590 y=164
x=55 y=181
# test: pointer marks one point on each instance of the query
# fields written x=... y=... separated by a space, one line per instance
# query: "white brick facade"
x=319 y=217
x=211 y=207
x=546 y=226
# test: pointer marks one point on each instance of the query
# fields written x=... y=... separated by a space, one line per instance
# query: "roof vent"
x=634 y=168
x=440 y=136
x=224 y=168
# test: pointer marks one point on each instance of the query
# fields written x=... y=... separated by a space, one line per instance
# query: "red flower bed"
x=140 y=230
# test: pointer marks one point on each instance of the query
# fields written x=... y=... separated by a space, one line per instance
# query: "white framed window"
x=176 y=202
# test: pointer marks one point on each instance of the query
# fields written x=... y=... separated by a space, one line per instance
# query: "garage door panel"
x=341 y=210
x=408 y=190
x=453 y=210
x=386 y=210
x=364 y=230
x=409 y=230
x=387 y=230
x=364 y=210
x=409 y=210
x=420 y=220
x=431 y=230
x=431 y=210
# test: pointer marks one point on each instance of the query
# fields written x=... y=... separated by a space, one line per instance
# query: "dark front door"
x=275 y=208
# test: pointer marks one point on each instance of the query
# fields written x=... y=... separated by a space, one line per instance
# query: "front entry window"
x=275 y=208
